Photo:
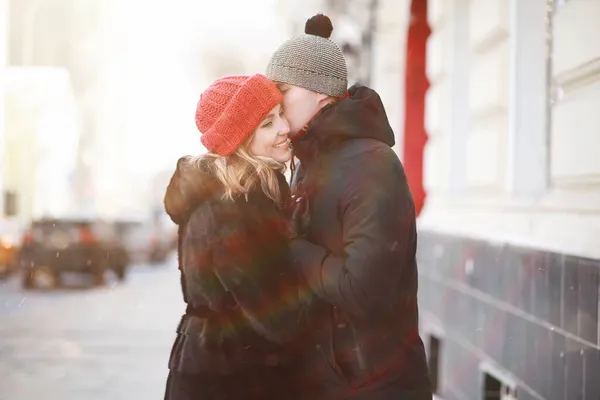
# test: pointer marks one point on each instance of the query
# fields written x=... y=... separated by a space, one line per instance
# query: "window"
x=433 y=359
x=492 y=388
x=10 y=204
x=497 y=388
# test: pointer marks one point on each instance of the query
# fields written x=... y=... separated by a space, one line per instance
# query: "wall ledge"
x=567 y=231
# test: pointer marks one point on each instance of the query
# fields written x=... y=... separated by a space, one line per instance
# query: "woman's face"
x=270 y=139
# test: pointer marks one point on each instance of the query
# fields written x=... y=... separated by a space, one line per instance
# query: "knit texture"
x=231 y=108
x=312 y=62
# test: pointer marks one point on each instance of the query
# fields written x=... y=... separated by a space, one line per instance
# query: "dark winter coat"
x=359 y=253
x=245 y=305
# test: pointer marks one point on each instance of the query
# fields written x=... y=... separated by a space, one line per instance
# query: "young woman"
x=246 y=307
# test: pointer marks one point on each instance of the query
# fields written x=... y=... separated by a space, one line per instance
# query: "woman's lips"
x=283 y=144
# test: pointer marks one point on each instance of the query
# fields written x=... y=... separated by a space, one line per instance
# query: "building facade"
x=86 y=39
x=3 y=63
x=508 y=251
x=508 y=236
x=41 y=139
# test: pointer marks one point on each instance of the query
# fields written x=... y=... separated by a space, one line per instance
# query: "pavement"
x=78 y=343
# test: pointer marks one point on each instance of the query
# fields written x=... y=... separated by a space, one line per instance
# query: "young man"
x=357 y=250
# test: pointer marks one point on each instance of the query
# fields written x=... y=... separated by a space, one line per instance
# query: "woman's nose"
x=285 y=127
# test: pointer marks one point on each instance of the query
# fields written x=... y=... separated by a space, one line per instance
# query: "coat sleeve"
x=250 y=257
x=379 y=237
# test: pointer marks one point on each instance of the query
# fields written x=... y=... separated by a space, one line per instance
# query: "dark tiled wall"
x=529 y=313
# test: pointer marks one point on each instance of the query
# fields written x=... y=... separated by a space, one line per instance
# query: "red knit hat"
x=231 y=109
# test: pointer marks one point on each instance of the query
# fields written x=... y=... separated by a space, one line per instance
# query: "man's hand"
x=299 y=216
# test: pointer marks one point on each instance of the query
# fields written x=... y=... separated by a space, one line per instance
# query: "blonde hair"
x=241 y=172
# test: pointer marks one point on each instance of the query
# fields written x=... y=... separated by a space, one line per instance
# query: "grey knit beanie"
x=311 y=61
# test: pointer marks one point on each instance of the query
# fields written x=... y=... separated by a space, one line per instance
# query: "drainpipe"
x=29 y=33
x=416 y=85
x=368 y=41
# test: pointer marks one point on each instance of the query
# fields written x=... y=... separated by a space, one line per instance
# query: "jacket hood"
x=192 y=183
x=360 y=115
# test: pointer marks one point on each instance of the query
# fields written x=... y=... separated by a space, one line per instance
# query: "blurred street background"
x=109 y=343
x=494 y=104
x=97 y=104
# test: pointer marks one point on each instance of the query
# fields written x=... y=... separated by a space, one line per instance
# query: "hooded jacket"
x=244 y=299
x=358 y=253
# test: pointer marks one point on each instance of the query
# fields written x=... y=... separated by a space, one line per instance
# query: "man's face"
x=300 y=105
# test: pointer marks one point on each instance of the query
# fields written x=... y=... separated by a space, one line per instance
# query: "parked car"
x=144 y=240
x=52 y=247
x=8 y=256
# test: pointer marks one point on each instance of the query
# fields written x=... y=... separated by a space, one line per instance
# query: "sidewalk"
x=107 y=343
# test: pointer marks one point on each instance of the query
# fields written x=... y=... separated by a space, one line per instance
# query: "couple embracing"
x=305 y=290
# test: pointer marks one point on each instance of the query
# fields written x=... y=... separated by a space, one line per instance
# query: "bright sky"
x=146 y=79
